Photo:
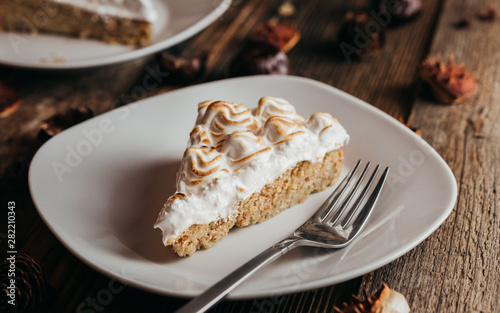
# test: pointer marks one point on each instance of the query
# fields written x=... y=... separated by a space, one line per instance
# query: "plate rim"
x=122 y=57
x=304 y=286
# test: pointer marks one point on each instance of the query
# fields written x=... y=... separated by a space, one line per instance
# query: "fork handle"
x=218 y=291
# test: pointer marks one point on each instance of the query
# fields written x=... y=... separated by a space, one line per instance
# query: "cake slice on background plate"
x=243 y=166
x=127 y=22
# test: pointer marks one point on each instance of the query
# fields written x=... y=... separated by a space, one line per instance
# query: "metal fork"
x=330 y=227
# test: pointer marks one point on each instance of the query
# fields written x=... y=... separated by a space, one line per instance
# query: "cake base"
x=291 y=188
x=28 y=17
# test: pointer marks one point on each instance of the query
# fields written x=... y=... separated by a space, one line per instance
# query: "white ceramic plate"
x=100 y=185
x=177 y=21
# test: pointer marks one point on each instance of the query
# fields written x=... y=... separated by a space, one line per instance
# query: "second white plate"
x=100 y=185
x=177 y=21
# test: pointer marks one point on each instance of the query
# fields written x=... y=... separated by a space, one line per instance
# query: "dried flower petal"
x=362 y=34
x=62 y=121
x=488 y=14
x=281 y=36
x=414 y=129
x=259 y=58
x=401 y=11
x=450 y=82
x=386 y=300
x=9 y=101
x=183 y=70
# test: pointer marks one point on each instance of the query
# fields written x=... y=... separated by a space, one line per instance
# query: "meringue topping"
x=270 y=106
x=279 y=129
x=199 y=163
x=234 y=151
x=222 y=118
x=133 y=9
x=242 y=147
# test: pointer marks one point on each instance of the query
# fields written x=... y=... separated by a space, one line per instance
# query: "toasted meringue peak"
x=222 y=118
x=234 y=151
x=324 y=126
x=319 y=122
x=197 y=164
x=242 y=147
x=280 y=129
x=202 y=106
x=200 y=137
x=176 y=196
x=270 y=106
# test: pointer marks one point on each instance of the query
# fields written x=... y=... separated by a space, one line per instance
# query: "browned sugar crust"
x=291 y=188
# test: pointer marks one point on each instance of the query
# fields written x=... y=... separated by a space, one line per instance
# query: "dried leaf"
x=450 y=82
x=386 y=300
x=9 y=100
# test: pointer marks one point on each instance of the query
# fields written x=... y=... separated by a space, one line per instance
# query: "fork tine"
x=332 y=220
x=359 y=222
x=332 y=200
x=356 y=205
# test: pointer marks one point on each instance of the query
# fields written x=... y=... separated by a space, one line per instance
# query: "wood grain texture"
x=454 y=270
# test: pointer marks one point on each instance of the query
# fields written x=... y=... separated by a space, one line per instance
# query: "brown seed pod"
x=30 y=284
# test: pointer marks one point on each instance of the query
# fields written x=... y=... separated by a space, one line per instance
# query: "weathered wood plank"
x=456 y=269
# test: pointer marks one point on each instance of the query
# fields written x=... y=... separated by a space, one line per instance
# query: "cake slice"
x=243 y=166
x=126 y=22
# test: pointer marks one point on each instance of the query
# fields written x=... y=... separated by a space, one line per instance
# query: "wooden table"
x=455 y=270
